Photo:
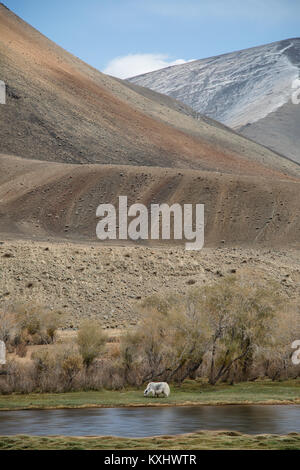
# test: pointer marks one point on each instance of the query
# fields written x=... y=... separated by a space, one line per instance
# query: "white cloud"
x=137 y=64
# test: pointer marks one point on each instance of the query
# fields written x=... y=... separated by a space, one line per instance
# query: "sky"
x=130 y=37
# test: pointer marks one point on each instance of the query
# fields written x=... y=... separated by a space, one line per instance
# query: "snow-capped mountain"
x=248 y=90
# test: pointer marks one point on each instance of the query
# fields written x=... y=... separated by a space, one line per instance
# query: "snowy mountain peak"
x=236 y=89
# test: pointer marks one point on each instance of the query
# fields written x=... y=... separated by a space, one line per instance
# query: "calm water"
x=141 y=422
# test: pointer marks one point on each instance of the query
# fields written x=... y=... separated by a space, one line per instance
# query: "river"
x=151 y=421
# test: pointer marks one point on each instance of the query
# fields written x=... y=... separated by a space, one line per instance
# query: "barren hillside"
x=84 y=138
x=60 y=109
x=45 y=199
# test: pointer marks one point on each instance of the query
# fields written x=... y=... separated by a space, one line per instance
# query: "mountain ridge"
x=72 y=138
x=240 y=89
x=61 y=109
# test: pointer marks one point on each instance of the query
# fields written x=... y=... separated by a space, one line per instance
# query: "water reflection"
x=141 y=422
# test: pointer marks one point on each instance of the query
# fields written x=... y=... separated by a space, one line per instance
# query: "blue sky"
x=127 y=37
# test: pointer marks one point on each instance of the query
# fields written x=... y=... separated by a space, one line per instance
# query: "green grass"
x=191 y=392
x=199 y=440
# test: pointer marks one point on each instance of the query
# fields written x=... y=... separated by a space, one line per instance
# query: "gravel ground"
x=109 y=283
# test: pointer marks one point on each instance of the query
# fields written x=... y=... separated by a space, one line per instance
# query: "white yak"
x=157 y=388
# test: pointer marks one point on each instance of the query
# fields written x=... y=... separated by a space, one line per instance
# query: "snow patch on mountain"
x=236 y=89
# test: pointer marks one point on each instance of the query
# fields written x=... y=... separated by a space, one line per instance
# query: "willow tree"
x=223 y=324
x=240 y=316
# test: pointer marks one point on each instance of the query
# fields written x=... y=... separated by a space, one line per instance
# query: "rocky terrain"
x=249 y=90
x=109 y=283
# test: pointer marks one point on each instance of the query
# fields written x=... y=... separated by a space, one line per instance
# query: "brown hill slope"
x=60 y=109
x=58 y=201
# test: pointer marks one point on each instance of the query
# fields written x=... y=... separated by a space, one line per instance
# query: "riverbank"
x=189 y=394
x=202 y=440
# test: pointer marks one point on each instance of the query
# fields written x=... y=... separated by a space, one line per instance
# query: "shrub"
x=56 y=370
x=221 y=329
x=91 y=340
x=8 y=327
x=169 y=342
x=37 y=324
x=71 y=364
x=52 y=320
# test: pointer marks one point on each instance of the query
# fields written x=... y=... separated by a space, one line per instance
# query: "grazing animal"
x=157 y=388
